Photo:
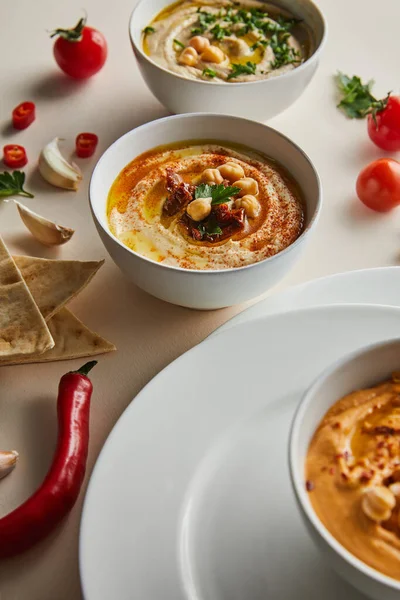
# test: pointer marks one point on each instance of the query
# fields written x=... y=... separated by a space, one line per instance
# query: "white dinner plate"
x=190 y=497
x=367 y=286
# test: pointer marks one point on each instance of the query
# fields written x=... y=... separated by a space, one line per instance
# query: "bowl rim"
x=314 y=56
x=304 y=234
x=297 y=478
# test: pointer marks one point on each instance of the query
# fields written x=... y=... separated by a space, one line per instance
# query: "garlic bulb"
x=46 y=232
x=55 y=169
x=8 y=460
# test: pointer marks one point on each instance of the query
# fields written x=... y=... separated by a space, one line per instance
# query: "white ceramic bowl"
x=193 y=288
x=359 y=370
x=258 y=100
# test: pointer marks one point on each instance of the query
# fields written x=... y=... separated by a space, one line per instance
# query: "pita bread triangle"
x=72 y=340
x=53 y=283
x=23 y=331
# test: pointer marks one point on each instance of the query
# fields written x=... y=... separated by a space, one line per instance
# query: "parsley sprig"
x=357 y=100
x=179 y=44
x=148 y=30
x=220 y=32
x=283 y=53
x=209 y=73
x=205 y=19
x=211 y=227
x=12 y=184
x=219 y=193
x=248 y=69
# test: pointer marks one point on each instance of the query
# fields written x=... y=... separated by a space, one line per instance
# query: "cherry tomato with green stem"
x=81 y=51
x=384 y=126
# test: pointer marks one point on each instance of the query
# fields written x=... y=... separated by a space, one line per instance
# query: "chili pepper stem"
x=84 y=370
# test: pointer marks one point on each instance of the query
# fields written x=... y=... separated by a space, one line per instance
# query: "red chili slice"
x=86 y=144
x=23 y=115
x=14 y=156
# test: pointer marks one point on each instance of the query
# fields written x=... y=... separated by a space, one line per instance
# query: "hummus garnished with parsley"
x=226 y=41
x=353 y=474
x=205 y=205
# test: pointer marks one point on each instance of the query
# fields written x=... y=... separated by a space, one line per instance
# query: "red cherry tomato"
x=14 y=156
x=23 y=115
x=80 y=52
x=85 y=144
x=378 y=185
x=385 y=132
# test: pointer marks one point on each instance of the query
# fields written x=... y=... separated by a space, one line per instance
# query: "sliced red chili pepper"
x=86 y=144
x=40 y=514
x=23 y=115
x=14 y=156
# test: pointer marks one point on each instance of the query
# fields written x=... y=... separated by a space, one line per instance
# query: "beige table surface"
x=147 y=332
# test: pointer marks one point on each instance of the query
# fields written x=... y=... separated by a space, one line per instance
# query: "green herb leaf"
x=12 y=184
x=258 y=44
x=284 y=54
x=248 y=69
x=209 y=73
x=357 y=100
x=205 y=19
x=219 y=193
x=178 y=43
x=214 y=229
x=209 y=227
x=148 y=30
x=220 y=32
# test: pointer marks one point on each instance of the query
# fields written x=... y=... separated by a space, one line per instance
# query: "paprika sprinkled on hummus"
x=205 y=205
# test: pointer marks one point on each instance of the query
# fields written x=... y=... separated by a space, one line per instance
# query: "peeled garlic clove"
x=46 y=232
x=55 y=169
x=8 y=460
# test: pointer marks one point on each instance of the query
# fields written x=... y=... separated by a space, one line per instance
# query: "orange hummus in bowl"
x=353 y=474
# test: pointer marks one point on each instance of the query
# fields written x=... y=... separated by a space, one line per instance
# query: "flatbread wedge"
x=53 y=283
x=72 y=340
x=23 y=331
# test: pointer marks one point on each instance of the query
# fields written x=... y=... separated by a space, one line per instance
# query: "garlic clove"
x=8 y=460
x=55 y=169
x=45 y=231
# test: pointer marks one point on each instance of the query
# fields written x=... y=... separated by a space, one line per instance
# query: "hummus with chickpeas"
x=205 y=205
x=353 y=474
x=225 y=41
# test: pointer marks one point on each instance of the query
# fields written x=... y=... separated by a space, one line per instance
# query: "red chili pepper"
x=86 y=144
x=23 y=115
x=14 y=156
x=41 y=513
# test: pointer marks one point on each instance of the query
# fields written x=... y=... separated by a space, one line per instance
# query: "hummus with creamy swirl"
x=205 y=205
x=353 y=474
x=225 y=41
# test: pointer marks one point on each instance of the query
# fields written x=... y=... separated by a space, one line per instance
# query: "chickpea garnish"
x=247 y=185
x=199 y=43
x=377 y=503
x=250 y=204
x=199 y=209
x=213 y=54
x=212 y=176
x=188 y=57
x=231 y=171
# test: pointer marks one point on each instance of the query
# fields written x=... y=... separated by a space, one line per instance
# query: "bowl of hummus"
x=248 y=58
x=204 y=211
x=345 y=467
